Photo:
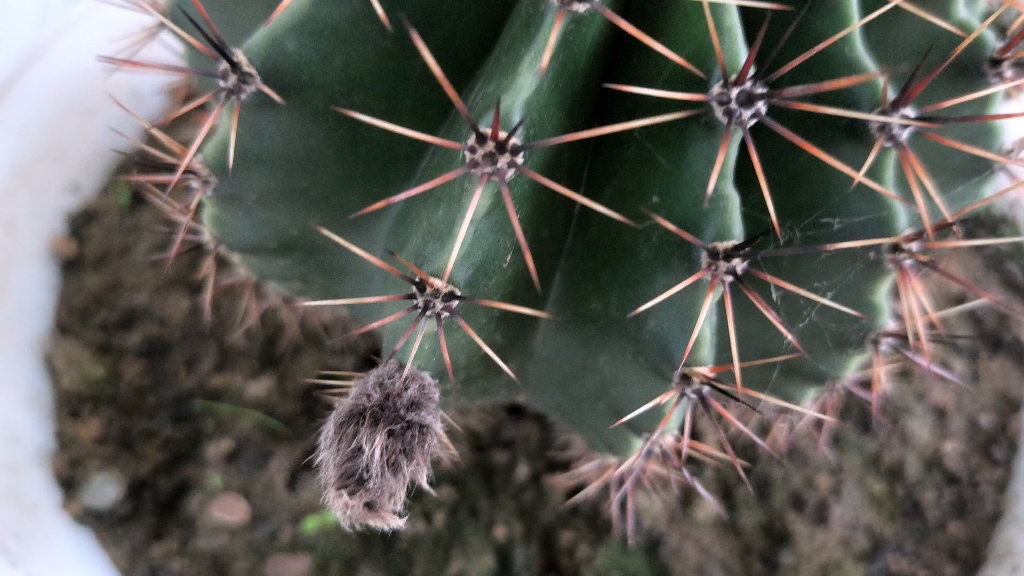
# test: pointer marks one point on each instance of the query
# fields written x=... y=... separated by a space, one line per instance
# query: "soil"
x=186 y=447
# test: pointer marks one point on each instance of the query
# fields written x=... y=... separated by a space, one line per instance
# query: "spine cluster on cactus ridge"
x=433 y=298
x=742 y=100
x=156 y=165
x=497 y=154
x=724 y=264
x=235 y=76
x=219 y=271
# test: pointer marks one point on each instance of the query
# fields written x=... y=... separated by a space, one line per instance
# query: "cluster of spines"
x=739 y=101
x=173 y=177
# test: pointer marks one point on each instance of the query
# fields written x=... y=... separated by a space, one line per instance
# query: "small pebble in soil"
x=259 y=388
x=64 y=248
x=288 y=564
x=500 y=533
x=522 y=473
x=988 y=421
x=90 y=429
x=218 y=450
x=102 y=491
x=75 y=367
x=229 y=510
x=1013 y=427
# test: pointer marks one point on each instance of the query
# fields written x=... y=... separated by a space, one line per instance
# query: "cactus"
x=626 y=190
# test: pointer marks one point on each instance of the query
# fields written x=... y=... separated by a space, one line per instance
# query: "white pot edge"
x=56 y=151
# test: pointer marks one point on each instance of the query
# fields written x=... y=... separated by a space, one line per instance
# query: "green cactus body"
x=304 y=165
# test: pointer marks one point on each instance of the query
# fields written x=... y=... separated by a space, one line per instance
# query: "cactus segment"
x=490 y=263
x=517 y=181
x=815 y=199
x=337 y=166
x=836 y=340
x=615 y=363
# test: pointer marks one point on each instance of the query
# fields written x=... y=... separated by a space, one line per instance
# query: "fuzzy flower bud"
x=376 y=443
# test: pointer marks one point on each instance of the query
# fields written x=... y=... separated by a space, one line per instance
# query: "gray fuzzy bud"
x=376 y=443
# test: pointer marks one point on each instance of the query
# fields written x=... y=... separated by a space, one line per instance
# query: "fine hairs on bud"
x=376 y=443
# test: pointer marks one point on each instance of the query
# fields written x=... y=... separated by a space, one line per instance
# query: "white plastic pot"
x=56 y=151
